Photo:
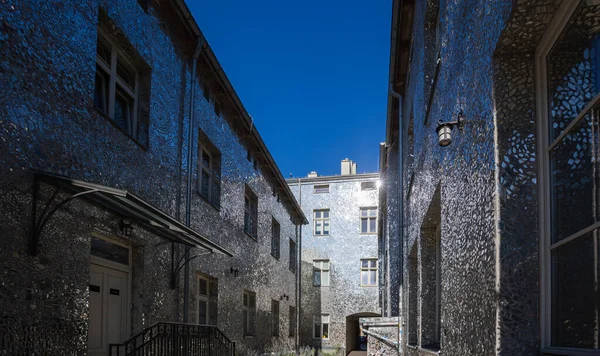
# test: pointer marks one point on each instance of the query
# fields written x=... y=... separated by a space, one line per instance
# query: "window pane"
x=101 y=91
x=125 y=72
x=212 y=313
x=325 y=277
x=318 y=214
x=103 y=50
x=364 y=263
x=216 y=192
x=317 y=329
x=325 y=331
x=245 y=321
x=326 y=214
x=363 y=212
x=317 y=278
x=202 y=312
x=364 y=277
x=205 y=159
x=107 y=250
x=363 y=225
x=574 y=166
x=213 y=288
x=575 y=302
x=204 y=184
x=372 y=278
x=252 y=300
x=374 y=263
x=325 y=264
x=573 y=68
x=245 y=299
x=372 y=225
x=123 y=110
x=202 y=287
x=373 y=212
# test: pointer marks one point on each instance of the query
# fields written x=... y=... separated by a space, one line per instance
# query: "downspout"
x=400 y=206
x=188 y=193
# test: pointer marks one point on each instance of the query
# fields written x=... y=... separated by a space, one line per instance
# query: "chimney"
x=348 y=167
x=313 y=174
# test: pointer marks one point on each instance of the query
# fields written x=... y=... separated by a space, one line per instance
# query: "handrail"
x=176 y=339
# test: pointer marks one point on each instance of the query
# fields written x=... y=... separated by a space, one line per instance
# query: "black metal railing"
x=175 y=339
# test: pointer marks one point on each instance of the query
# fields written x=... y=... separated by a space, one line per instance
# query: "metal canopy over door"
x=108 y=308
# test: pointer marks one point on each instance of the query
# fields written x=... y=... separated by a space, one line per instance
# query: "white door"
x=108 y=309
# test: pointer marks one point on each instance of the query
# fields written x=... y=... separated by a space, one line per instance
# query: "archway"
x=355 y=340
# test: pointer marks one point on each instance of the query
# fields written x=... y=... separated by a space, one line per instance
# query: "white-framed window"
x=568 y=87
x=321 y=221
x=368 y=220
x=117 y=88
x=209 y=171
x=207 y=298
x=250 y=213
x=321 y=273
x=368 y=272
x=293 y=256
x=321 y=189
x=275 y=239
x=249 y=313
x=274 y=318
x=321 y=326
x=368 y=185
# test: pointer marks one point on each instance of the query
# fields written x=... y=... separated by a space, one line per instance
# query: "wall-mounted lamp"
x=234 y=271
x=287 y=297
x=126 y=226
x=444 y=130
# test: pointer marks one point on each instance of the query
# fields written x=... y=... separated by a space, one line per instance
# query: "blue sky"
x=312 y=73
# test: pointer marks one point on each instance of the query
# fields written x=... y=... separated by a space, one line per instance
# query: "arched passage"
x=354 y=341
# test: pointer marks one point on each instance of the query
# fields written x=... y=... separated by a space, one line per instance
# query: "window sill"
x=368 y=233
x=321 y=235
x=293 y=271
x=251 y=236
x=248 y=336
x=217 y=208
x=275 y=257
x=369 y=285
x=114 y=124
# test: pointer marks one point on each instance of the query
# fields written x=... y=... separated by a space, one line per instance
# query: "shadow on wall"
x=312 y=329
x=355 y=339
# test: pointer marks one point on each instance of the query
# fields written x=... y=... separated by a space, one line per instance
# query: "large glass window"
x=321 y=220
x=368 y=272
x=368 y=220
x=571 y=196
x=321 y=273
x=207 y=298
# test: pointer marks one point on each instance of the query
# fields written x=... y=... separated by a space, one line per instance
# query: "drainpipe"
x=188 y=192
x=400 y=203
x=299 y=269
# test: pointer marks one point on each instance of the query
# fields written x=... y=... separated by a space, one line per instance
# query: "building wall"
x=48 y=123
x=344 y=248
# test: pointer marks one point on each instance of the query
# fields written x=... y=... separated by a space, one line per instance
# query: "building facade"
x=339 y=257
x=493 y=110
x=134 y=187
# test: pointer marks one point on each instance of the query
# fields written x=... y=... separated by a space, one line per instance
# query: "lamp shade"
x=444 y=135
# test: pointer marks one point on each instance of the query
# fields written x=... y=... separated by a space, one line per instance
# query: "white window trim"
x=368 y=218
x=318 y=266
x=550 y=37
x=322 y=220
x=114 y=80
x=320 y=319
x=368 y=269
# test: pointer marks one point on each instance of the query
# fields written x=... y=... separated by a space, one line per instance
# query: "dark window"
x=275 y=239
x=250 y=213
x=292 y=332
x=321 y=189
x=249 y=313
x=293 y=256
x=274 y=317
x=208 y=298
x=110 y=251
x=209 y=171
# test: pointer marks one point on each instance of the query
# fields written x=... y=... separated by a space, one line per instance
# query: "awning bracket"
x=38 y=223
x=175 y=269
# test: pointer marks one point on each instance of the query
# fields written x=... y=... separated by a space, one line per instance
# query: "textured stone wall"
x=344 y=247
x=48 y=122
x=486 y=179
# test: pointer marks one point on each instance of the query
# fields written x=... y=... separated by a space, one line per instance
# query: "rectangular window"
x=209 y=171
x=274 y=318
x=321 y=221
x=569 y=117
x=293 y=256
x=368 y=220
x=413 y=296
x=250 y=213
x=368 y=272
x=321 y=273
x=368 y=185
x=117 y=88
x=207 y=298
x=292 y=332
x=249 y=313
x=275 y=238
x=321 y=189
x=321 y=327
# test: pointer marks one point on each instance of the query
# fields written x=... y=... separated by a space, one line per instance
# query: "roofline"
x=349 y=177
x=212 y=59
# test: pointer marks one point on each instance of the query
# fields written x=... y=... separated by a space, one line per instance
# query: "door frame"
x=119 y=267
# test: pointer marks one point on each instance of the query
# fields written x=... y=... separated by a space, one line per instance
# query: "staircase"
x=176 y=339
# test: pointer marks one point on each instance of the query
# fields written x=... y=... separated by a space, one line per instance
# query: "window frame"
x=557 y=25
x=275 y=239
x=293 y=258
x=292 y=318
x=322 y=220
x=251 y=210
x=368 y=218
x=206 y=298
x=320 y=318
x=115 y=82
x=320 y=189
x=369 y=269
x=318 y=267
x=275 y=313
x=366 y=186
x=249 y=328
x=213 y=170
